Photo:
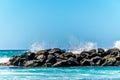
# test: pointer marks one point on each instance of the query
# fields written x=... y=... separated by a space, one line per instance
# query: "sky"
x=56 y=22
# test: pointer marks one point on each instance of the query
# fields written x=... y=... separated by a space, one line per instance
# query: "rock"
x=16 y=61
x=117 y=63
x=100 y=50
x=92 y=51
x=78 y=58
x=118 y=58
x=96 y=61
x=114 y=51
x=41 y=58
x=73 y=62
x=32 y=63
x=110 y=61
x=60 y=58
x=84 y=55
x=66 y=55
x=55 y=50
x=51 y=59
x=48 y=65
x=43 y=52
x=94 y=55
x=86 y=62
x=63 y=63
x=102 y=62
x=28 y=55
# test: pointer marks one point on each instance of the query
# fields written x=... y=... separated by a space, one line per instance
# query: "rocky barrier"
x=60 y=58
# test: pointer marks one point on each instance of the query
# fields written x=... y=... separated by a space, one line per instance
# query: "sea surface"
x=73 y=73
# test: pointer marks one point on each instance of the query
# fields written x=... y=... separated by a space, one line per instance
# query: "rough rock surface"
x=60 y=58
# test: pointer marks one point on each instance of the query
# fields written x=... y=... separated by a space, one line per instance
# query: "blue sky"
x=23 y=22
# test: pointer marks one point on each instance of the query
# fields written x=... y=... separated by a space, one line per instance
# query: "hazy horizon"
x=57 y=23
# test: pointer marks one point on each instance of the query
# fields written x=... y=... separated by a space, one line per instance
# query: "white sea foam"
x=74 y=46
x=83 y=46
x=4 y=59
x=117 y=44
x=37 y=46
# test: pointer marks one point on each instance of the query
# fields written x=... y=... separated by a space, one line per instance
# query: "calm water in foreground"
x=79 y=73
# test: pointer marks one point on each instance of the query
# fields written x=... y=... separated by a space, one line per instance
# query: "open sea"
x=73 y=73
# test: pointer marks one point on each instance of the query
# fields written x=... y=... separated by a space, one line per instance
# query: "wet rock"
x=96 y=61
x=41 y=58
x=55 y=50
x=86 y=62
x=28 y=55
x=92 y=51
x=78 y=58
x=73 y=62
x=114 y=51
x=32 y=63
x=66 y=55
x=94 y=55
x=101 y=50
x=118 y=58
x=110 y=61
x=84 y=54
x=16 y=61
x=43 y=52
x=63 y=63
x=51 y=59
x=117 y=63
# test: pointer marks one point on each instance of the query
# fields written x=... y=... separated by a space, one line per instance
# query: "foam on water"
x=83 y=46
x=73 y=47
x=4 y=59
x=37 y=46
x=117 y=44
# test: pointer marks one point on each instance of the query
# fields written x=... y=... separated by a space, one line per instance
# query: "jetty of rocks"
x=60 y=58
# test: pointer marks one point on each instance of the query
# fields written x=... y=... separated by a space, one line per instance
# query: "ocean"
x=72 y=73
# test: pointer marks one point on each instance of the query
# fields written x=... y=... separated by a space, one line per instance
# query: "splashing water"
x=74 y=46
x=117 y=44
x=37 y=46
x=4 y=59
x=83 y=46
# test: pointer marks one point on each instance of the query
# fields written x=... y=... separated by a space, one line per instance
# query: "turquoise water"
x=78 y=73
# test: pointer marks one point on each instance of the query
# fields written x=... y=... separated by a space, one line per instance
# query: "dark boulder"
x=73 y=62
x=55 y=50
x=32 y=63
x=16 y=61
x=110 y=61
x=63 y=63
x=84 y=55
x=51 y=59
x=92 y=51
x=114 y=51
x=28 y=55
x=86 y=62
x=101 y=50
x=96 y=61
x=118 y=58
x=78 y=58
x=41 y=58
x=66 y=55
x=93 y=55
x=42 y=52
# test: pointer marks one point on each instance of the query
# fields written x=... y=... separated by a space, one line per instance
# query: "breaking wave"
x=117 y=44
x=4 y=59
x=73 y=46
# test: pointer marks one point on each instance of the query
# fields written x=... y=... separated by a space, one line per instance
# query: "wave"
x=117 y=44
x=75 y=46
x=4 y=59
